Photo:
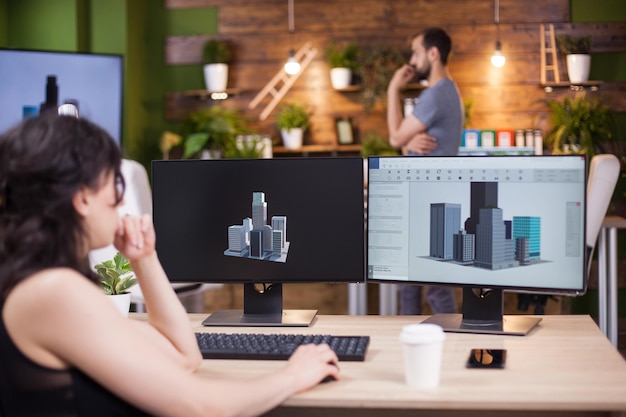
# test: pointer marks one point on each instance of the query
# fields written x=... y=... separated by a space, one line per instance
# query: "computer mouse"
x=327 y=379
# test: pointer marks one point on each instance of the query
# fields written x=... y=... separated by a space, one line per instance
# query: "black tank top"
x=31 y=390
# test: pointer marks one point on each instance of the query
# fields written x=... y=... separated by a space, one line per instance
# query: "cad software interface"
x=515 y=222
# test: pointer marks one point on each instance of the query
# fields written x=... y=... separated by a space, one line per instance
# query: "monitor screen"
x=490 y=223
x=33 y=80
x=255 y=221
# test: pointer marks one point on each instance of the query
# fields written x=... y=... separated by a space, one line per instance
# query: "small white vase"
x=216 y=77
x=578 y=67
x=121 y=302
x=292 y=138
x=340 y=77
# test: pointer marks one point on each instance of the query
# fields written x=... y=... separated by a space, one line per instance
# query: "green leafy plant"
x=574 y=44
x=374 y=145
x=580 y=125
x=116 y=275
x=216 y=51
x=343 y=56
x=376 y=67
x=292 y=115
x=212 y=128
x=251 y=147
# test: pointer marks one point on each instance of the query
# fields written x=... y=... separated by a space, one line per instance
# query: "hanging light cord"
x=497 y=16
x=292 y=28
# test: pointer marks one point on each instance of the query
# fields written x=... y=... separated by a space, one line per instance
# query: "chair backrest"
x=137 y=201
x=603 y=174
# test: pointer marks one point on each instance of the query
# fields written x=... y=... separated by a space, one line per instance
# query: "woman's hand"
x=309 y=364
x=135 y=237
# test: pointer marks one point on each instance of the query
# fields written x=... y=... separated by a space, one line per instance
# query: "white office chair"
x=603 y=174
x=137 y=201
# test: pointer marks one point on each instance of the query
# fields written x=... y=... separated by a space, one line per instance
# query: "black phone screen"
x=486 y=358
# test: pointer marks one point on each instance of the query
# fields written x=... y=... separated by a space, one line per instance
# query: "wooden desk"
x=564 y=367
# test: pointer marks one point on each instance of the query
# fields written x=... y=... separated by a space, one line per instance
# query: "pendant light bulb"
x=497 y=59
x=292 y=66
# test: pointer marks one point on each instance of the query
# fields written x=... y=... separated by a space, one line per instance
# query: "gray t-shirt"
x=440 y=108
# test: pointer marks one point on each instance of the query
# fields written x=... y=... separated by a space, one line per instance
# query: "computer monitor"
x=34 y=81
x=262 y=223
x=487 y=224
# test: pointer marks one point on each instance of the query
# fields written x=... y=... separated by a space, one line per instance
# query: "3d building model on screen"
x=255 y=239
x=487 y=241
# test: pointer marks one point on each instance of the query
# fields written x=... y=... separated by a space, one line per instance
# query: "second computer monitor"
x=484 y=223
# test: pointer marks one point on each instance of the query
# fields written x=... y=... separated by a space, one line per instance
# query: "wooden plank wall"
x=504 y=98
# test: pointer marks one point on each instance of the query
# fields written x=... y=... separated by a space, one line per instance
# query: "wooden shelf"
x=354 y=88
x=592 y=85
x=497 y=150
x=205 y=95
x=333 y=150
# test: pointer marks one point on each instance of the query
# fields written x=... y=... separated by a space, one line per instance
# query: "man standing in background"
x=434 y=128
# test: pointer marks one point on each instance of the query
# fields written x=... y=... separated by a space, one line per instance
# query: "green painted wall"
x=4 y=29
x=598 y=11
x=42 y=24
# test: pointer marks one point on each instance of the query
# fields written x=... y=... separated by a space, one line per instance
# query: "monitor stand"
x=263 y=309
x=483 y=313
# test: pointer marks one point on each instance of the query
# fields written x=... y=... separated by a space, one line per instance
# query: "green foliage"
x=292 y=115
x=343 y=57
x=580 y=125
x=376 y=67
x=216 y=51
x=374 y=145
x=248 y=148
x=469 y=111
x=574 y=44
x=116 y=275
x=211 y=128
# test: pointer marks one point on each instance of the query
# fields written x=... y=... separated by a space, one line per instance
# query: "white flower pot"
x=292 y=138
x=578 y=67
x=216 y=77
x=340 y=77
x=121 y=302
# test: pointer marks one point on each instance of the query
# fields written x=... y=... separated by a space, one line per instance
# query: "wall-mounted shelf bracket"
x=282 y=82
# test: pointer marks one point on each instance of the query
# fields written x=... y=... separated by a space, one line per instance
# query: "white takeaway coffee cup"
x=423 y=348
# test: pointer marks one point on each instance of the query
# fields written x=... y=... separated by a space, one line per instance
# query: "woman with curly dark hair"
x=64 y=349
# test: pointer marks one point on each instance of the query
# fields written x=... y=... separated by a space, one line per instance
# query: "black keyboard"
x=276 y=346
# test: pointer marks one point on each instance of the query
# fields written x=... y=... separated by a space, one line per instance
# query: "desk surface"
x=564 y=365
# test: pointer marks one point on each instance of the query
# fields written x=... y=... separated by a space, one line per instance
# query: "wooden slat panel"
x=504 y=98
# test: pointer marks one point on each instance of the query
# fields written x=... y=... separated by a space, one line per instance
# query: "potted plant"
x=343 y=61
x=216 y=57
x=209 y=132
x=116 y=278
x=577 y=51
x=376 y=67
x=579 y=125
x=375 y=145
x=292 y=120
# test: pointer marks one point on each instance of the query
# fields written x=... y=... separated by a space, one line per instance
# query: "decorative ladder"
x=304 y=56
x=547 y=45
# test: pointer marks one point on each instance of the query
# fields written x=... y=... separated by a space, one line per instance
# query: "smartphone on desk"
x=487 y=358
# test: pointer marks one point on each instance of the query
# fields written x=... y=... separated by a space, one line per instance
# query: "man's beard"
x=423 y=73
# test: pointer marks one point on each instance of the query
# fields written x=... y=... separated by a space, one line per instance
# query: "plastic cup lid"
x=422 y=333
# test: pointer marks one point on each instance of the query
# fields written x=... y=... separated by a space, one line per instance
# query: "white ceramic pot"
x=216 y=77
x=340 y=77
x=578 y=67
x=121 y=302
x=292 y=138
